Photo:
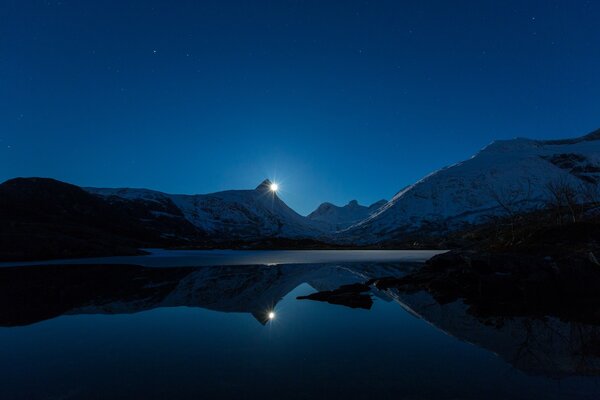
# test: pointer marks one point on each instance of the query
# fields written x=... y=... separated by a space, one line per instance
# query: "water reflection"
x=32 y=294
x=542 y=346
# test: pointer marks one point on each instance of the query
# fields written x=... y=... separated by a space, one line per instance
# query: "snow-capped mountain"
x=511 y=175
x=507 y=173
x=334 y=218
x=231 y=214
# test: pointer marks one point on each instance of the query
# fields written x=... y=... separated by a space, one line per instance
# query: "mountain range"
x=508 y=176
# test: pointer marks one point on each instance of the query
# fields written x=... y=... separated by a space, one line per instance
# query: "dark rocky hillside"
x=44 y=218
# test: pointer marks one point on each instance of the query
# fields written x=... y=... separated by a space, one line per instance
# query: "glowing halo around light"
x=271 y=315
x=274 y=187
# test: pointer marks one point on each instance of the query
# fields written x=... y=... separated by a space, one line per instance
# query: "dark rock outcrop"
x=353 y=296
x=502 y=284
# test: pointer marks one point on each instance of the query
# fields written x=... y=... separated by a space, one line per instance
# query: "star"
x=154 y=51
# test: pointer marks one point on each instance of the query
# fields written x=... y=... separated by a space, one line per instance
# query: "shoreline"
x=160 y=257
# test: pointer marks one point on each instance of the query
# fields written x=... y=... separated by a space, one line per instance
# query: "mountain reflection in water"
x=546 y=346
x=32 y=294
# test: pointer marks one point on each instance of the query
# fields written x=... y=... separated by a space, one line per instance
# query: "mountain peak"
x=334 y=218
x=265 y=185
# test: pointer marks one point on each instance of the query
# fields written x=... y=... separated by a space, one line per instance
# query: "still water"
x=117 y=331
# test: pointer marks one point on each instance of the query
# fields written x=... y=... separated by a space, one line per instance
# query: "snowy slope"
x=515 y=172
x=232 y=214
x=333 y=218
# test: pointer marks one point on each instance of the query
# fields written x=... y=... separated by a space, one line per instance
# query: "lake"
x=189 y=325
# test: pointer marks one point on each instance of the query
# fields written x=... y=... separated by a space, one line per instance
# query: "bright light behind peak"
x=271 y=315
x=274 y=187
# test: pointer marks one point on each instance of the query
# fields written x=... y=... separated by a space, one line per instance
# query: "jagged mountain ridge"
x=515 y=172
x=334 y=218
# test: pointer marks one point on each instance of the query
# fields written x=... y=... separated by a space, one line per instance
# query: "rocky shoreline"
x=510 y=284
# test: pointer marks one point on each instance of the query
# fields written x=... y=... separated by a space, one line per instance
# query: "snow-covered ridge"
x=231 y=214
x=517 y=170
x=246 y=214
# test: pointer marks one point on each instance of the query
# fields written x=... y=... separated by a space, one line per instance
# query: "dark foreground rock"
x=352 y=296
x=44 y=219
x=501 y=284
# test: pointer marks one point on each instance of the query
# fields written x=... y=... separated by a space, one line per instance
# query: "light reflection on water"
x=209 y=333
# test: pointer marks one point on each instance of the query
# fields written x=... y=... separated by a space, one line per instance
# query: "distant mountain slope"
x=228 y=215
x=513 y=173
x=333 y=218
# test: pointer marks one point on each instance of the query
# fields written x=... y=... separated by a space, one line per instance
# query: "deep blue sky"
x=338 y=100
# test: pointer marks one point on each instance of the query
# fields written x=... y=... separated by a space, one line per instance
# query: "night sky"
x=337 y=100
